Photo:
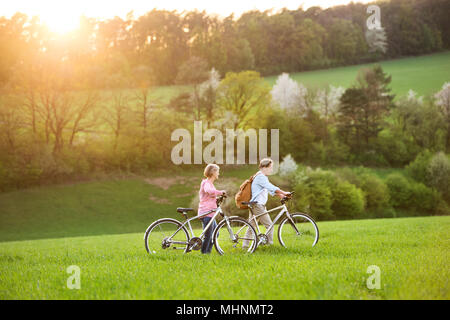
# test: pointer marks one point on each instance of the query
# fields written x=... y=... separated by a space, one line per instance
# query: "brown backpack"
x=244 y=193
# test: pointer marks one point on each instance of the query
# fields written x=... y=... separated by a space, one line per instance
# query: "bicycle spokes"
x=166 y=236
x=298 y=231
x=235 y=236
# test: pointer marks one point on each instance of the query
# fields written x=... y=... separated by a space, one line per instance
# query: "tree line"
x=151 y=48
x=56 y=122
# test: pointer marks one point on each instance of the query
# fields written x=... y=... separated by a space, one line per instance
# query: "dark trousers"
x=208 y=241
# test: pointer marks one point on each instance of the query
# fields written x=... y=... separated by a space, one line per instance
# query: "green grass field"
x=99 y=226
x=424 y=74
x=412 y=254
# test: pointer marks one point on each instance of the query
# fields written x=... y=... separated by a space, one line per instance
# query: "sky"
x=63 y=15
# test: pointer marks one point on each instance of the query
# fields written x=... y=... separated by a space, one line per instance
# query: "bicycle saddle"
x=249 y=203
x=184 y=210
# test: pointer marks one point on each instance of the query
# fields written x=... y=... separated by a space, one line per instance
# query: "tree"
x=194 y=71
x=244 y=94
x=208 y=95
x=350 y=121
x=142 y=111
x=363 y=107
x=346 y=41
x=419 y=121
x=443 y=101
x=116 y=115
x=287 y=92
x=327 y=101
x=377 y=40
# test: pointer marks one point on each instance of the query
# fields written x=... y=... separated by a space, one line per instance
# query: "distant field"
x=412 y=255
x=424 y=74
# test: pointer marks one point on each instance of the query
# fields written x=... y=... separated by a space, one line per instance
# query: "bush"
x=413 y=196
x=438 y=174
x=325 y=177
x=417 y=169
x=348 y=200
x=349 y=175
x=423 y=198
x=374 y=213
x=395 y=148
x=314 y=199
x=399 y=190
x=287 y=166
x=375 y=190
x=313 y=192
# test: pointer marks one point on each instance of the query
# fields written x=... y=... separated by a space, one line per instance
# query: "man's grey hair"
x=266 y=162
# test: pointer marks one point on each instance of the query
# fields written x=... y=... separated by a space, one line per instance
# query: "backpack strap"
x=251 y=181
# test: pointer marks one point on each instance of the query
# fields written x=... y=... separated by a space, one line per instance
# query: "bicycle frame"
x=284 y=210
x=218 y=211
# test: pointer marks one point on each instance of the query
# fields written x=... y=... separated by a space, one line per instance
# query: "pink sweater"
x=207 y=197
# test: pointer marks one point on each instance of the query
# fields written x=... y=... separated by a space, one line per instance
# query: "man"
x=260 y=189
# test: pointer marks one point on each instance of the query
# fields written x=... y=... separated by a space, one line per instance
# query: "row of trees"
x=360 y=124
x=151 y=48
x=50 y=130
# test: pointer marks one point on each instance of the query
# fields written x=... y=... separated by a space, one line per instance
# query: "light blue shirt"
x=260 y=187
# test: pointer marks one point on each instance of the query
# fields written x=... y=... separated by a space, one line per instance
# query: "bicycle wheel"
x=165 y=235
x=230 y=234
x=302 y=232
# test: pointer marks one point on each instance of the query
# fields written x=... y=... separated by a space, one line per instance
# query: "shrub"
x=315 y=199
x=325 y=177
x=417 y=169
x=413 y=196
x=349 y=175
x=438 y=174
x=313 y=192
x=375 y=190
x=287 y=166
x=348 y=200
x=399 y=190
x=423 y=198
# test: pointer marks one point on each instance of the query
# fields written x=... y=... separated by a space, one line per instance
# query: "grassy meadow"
x=99 y=226
x=424 y=74
x=412 y=254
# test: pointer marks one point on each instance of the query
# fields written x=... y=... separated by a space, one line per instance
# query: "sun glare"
x=60 y=22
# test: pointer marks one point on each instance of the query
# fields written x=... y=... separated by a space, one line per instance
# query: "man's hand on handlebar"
x=282 y=194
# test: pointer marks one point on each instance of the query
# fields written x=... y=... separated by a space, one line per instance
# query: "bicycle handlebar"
x=220 y=198
x=287 y=198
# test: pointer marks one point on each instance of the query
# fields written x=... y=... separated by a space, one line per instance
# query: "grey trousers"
x=264 y=219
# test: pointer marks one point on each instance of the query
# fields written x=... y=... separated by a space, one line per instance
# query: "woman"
x=207 y=197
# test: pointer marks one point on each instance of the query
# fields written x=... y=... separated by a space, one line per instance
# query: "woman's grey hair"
x=266 y=162
x=210 y=169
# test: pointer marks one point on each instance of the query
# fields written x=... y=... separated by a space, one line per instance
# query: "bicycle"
x=303 y=230
x=168 y=233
